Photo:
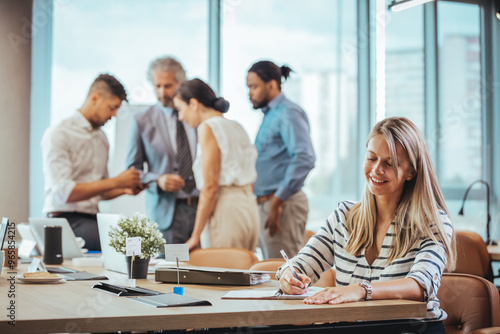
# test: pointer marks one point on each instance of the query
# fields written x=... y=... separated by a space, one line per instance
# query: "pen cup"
x=10 y=257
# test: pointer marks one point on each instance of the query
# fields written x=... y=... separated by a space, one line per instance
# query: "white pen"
x=291 y=268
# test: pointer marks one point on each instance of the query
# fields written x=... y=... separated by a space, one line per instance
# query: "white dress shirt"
x=73 y=152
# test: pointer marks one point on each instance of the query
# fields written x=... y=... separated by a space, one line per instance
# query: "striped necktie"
x=184 y=160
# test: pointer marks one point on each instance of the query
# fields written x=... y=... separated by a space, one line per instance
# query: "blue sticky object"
x=179 y=290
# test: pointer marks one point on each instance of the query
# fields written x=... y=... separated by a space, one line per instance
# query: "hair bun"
x=285 y=71
x=221 y=104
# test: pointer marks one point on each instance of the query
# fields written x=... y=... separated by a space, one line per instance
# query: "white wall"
x=15 y=83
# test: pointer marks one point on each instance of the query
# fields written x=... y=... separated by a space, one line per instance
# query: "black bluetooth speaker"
x=53 y=245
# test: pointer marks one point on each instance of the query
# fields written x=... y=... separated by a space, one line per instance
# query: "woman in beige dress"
x=224 y=171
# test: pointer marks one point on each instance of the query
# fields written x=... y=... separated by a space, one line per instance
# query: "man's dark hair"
x=108 y=83
x=267 y=71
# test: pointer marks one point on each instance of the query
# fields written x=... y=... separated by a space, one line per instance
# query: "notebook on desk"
x=113 y=260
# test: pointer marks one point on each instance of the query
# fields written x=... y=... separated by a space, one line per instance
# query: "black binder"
x=214 y=276
x=124 y=291
x=170 y=300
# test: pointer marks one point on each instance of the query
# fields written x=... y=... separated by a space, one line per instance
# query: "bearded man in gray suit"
x=163 y=148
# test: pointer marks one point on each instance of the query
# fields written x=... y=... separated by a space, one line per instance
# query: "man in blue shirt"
x=285 y=157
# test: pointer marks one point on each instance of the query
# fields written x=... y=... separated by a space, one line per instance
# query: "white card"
x=33 y=267
x=133 y=246
x=25 y=248
x=176 y=251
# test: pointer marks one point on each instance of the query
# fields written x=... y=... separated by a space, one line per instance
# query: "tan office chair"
x=307 y=235
x=471 y=302
x=327 y=279
x=268 y=265
x=235 y=258
x=472 y=255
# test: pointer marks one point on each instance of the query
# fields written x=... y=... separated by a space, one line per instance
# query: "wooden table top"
x=74 y=306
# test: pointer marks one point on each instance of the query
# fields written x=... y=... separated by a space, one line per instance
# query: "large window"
x=460 y=140
x=121 y=38
x=460 y=148
x=314 y=39
x=404 y=65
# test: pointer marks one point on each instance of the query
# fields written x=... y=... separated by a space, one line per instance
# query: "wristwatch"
x=367 y=286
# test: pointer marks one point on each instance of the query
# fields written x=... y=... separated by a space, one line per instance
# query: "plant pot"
x=139 y=267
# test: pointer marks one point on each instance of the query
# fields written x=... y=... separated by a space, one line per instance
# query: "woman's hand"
x=350 y=293
x=291 y=285
x=193 y=242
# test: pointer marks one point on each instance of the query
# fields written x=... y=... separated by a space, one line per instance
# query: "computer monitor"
x=71 y=248
x=112 y=259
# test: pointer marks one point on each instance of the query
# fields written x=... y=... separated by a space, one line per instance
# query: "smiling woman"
x=396 y=242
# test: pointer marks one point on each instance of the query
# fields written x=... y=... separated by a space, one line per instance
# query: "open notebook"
x=267 y=294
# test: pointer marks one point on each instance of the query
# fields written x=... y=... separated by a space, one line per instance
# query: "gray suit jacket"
x=150 y=142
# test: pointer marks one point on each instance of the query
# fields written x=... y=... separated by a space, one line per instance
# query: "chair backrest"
x=235 y=258
x=472 y=255
x=268 y=265
x=470 y=301
x=326 y=279
x=307 y=235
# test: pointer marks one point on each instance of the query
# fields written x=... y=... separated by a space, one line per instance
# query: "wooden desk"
x=494 y=252
x=74 y=307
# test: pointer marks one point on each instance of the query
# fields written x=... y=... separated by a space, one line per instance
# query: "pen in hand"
x=291 y=268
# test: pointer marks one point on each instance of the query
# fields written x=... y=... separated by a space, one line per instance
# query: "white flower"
x=138 y=225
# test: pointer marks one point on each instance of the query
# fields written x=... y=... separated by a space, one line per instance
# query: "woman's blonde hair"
x=420 y=201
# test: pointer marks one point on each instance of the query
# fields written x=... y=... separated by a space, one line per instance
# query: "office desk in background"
x=73 y=307
x=494 y=252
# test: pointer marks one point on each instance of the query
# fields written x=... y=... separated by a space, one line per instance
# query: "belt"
x=264 y=199
x=189 y=200
x=68 y=213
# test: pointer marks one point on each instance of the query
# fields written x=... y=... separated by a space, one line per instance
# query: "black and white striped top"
x=424 y=263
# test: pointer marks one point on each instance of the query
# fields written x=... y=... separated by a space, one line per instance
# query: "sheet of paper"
x=133 y=246
x=267 y=294
x=176 y=251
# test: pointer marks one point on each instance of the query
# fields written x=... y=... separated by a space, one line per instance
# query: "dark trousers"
x=182 y=223
x=84 y=225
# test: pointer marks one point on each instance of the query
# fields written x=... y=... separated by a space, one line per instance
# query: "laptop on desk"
x=70 y=247
x=112 y=259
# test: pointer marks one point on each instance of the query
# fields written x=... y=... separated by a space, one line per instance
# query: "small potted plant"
x=152 y=241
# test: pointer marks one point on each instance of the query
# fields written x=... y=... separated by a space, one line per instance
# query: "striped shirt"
x=424 y=263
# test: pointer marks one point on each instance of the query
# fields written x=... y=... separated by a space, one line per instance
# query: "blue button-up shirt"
x=285 y=149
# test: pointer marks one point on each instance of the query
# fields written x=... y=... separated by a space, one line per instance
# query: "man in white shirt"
x=168 y=147
x=75 y=159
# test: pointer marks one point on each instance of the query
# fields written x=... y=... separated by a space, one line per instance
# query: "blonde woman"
x=396 y=242
x=224 y=169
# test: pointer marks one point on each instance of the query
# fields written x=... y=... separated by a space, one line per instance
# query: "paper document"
x=267 y=294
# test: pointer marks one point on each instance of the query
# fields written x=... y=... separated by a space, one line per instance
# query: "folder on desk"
x=209 y=275
x=124 y=291
x=170 y=300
